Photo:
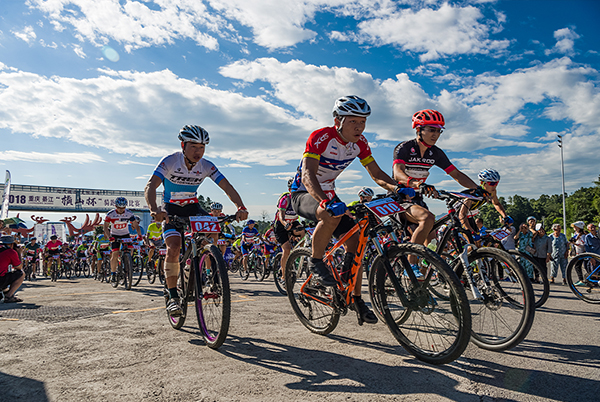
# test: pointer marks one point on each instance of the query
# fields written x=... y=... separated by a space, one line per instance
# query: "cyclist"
x=328 y=152
x=34 y=250
x=116 y=228
x=53 y=247
x=249 y=237
x=154 y=240
x=216 y=209
x=412 y=161
x=364 y=195
x=181 y=174
x=286 y=224
x=99 y=245
x=489 y=179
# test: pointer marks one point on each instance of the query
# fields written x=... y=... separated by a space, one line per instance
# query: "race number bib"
x=384 y=207
x=120 y=225
x=500 y=234
x=205 y=224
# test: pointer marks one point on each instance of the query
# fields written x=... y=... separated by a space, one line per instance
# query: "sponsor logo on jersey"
x=320 y=140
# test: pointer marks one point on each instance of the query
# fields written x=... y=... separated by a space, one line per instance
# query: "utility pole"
x=562 y=170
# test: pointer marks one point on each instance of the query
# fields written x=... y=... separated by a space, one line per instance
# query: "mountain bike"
x=539 y=282
x=154 y=266
x=502 y=302
x=203 y=279
x=255 y=264
x=435 y=330
x=583 y=275
x=125 y=265
x=137 y=267
x=54 y=267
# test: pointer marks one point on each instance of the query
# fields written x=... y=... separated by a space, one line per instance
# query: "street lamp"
x=562 y=170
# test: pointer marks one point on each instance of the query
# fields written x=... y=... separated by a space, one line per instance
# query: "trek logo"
x=320 y=140
x=177 y=179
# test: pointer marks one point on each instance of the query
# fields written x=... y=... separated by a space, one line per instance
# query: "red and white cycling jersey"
x=119 y=222
x=334 y=155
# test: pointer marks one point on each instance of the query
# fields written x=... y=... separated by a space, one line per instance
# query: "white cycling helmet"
x=194 y=134
x=366 y=192
x=216 y=206
x=489 y=175
x=351 y=106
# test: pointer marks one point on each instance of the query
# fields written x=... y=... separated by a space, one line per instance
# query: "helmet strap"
x=339 y=129
x=420 y=138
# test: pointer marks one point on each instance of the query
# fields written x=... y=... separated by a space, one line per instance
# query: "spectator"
x=543 y=248
x=578 y=239
x=509 y=241
x=592 y=242
x=560 y=251
x=524 y=240
x=11 y=280
x=480 y=228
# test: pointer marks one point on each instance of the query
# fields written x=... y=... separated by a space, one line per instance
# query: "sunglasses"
x=492 y=183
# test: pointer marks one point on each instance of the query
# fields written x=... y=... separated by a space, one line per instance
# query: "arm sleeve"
x=161 y=169
x=444 y=163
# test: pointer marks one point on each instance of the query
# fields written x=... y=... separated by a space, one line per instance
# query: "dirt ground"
x=82 y=340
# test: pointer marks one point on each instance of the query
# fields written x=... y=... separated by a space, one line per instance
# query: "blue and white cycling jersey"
x=180 y=183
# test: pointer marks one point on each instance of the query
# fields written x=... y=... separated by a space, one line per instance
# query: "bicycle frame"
x=362 y=226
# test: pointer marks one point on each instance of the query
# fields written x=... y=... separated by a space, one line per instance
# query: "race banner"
x=23 y=197
x=5 y=197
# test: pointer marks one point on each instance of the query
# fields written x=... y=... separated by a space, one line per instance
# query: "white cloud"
x=565 y=42
x=133 y=23
x=58 y=157
x=281 y=175
x=237 y=165
x=128 y=162
x=140 y=114
x=27 y=34
x=435 y=33
x=79 y=51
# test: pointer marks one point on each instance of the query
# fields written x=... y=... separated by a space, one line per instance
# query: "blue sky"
x=93 y=92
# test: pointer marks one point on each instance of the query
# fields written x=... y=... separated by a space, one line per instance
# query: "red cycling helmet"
x=428 y=117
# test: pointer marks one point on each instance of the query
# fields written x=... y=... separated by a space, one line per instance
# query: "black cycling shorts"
x=306 y=206
x=170 y=228
x=282 y=235
x=116 y=245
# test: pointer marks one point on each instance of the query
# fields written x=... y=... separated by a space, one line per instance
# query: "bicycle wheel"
x=213 y=296
x=312 y=305
x=67 y=270
x=540 y=283
x=160 y=268
x=151 y=271
x=259 y=267
x=137 y=271
x=503 y=315
x=244 y=273
x=183 y=291
x=87 y=269
x=278 y=274
x=54 y=272
x=433 y=329
x=583 y=273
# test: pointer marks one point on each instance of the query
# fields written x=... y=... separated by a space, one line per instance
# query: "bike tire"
x=54 y=272
x=137 y=271
x=278 y=276
x=212 y=296
x=182 y=290
x=589 y=292
x=127 y=271
x=505 y=315
x=151 y=271
x=259 y=268
x=318 y=317
x=68 y=271
x=541 y=290
x=434 y=330
x=244 y=273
